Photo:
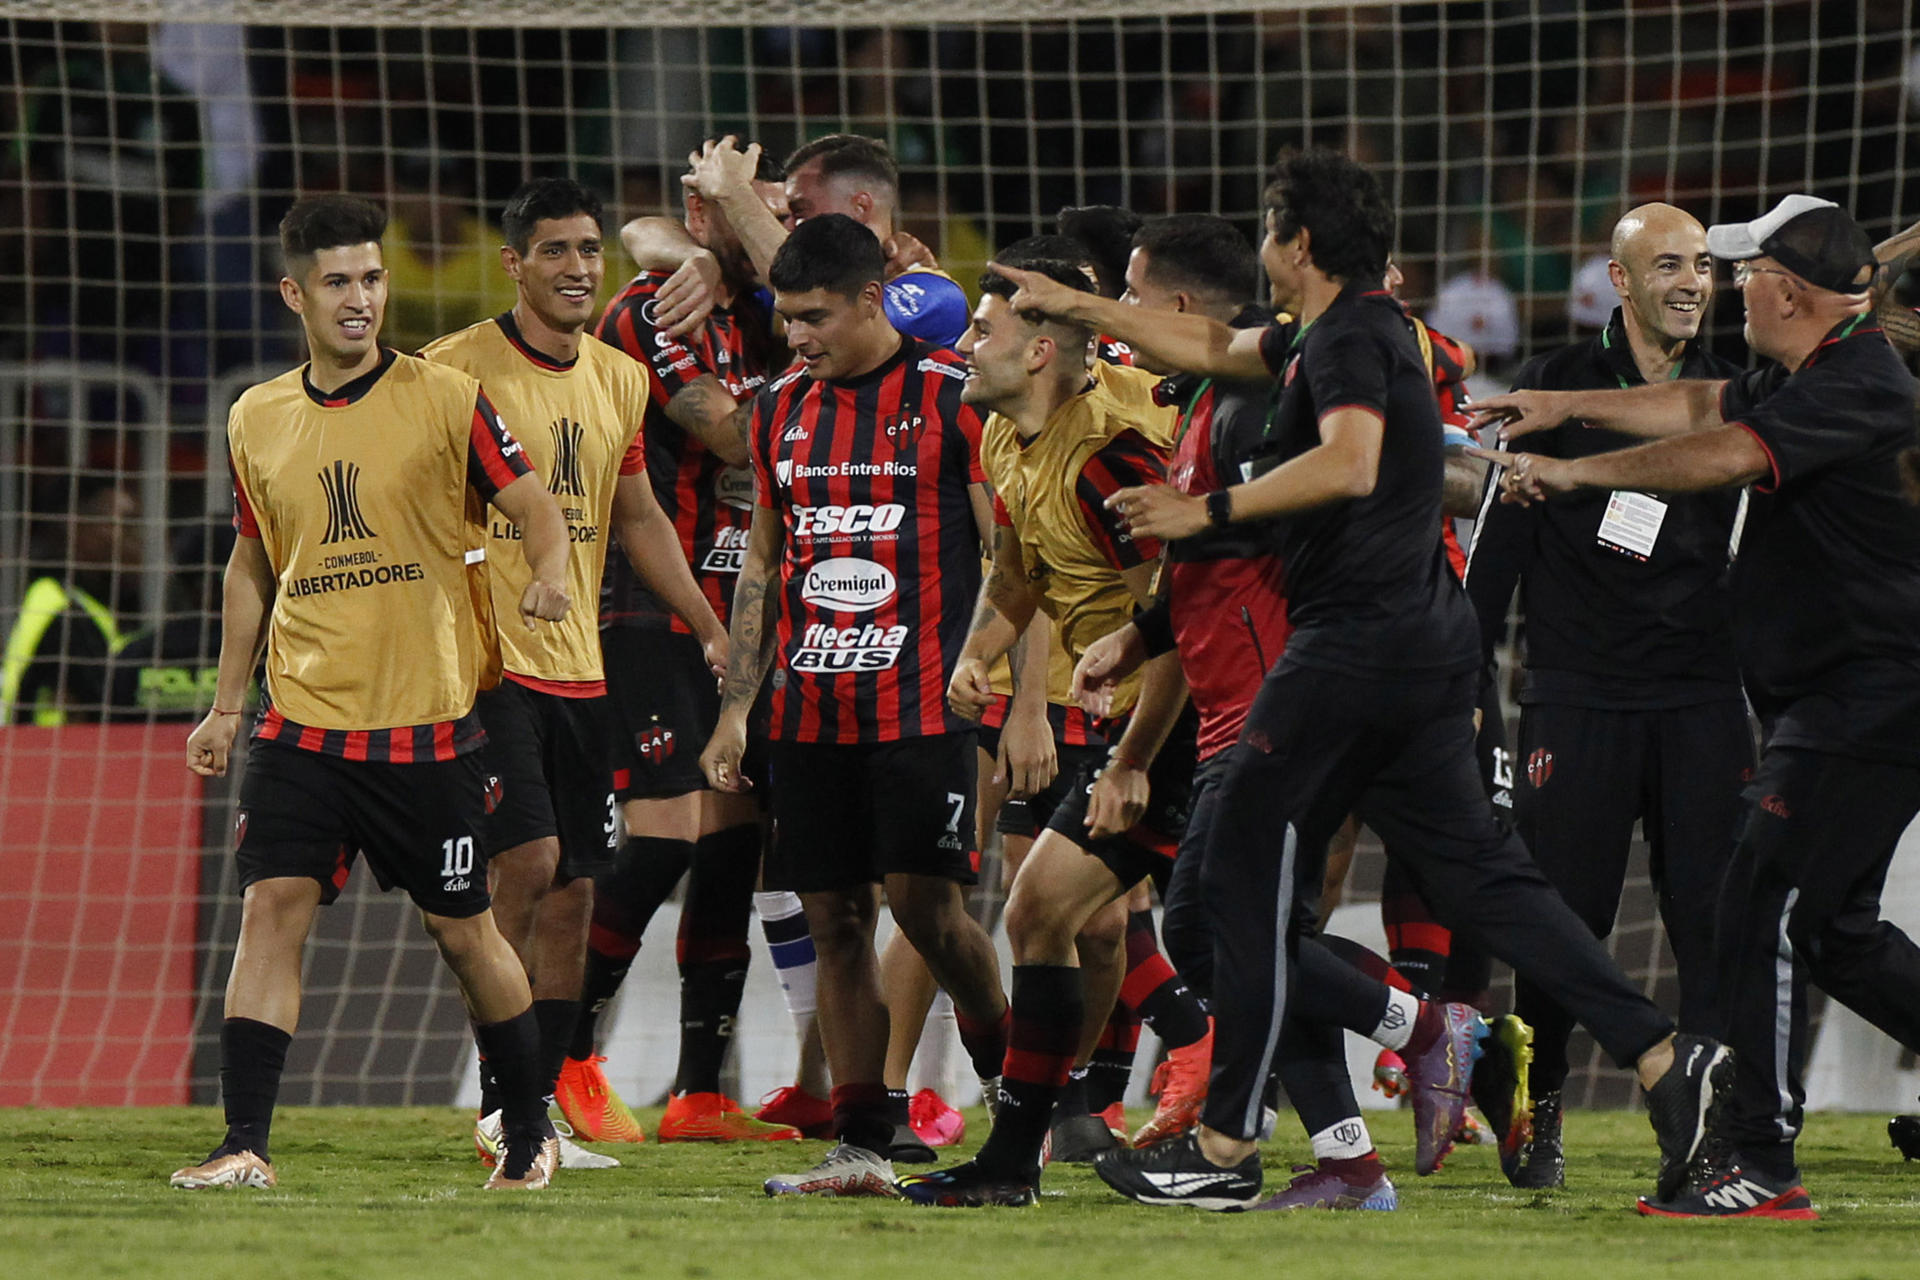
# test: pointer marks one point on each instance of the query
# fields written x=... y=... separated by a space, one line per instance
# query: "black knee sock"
x=709 y=1004
x=713 y=952
x=252 y=1057
x=512 y=1048
x=556 y=1019
x=1112 y=1063
x=1048 y=1002
x=1072 y=1100
x=624 y=902
x=1155 y=991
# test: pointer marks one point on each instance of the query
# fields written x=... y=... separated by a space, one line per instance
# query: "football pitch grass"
x=370 y=1192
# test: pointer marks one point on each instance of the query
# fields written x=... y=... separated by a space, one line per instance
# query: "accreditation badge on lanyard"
x=1632 y=523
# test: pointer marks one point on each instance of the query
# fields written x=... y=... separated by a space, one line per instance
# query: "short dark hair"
x=1346 y=214
x=1199 y=253
x=1066 y=272
x=330 y=221
x=546 y=198
x=1047 y=249
x=833 y=252
x=1106 y=231
x=848 y=153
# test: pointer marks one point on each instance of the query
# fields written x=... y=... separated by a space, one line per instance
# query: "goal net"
x=152 y=145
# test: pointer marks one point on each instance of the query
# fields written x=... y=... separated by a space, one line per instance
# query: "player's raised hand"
x=211 y=742
x=1159 y=511
x=684 y=302
x=721 y=169
x=543 y=600
x=1519 y=413
x=1104 y=664
x=721 y=759
x=1527 y=478
x=906 y=253
x=970 y=692
x=1036 y=292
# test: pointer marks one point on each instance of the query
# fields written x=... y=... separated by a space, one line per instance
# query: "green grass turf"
x=396 y=1192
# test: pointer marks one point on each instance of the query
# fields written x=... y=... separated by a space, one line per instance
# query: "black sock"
x=1073 y=1096
x=605 y=973
x=897 y=1107
x=1158 y=994
x=513 y=1051
x=644 y=873
x=1108 y=1072
x=489 y=1086
x=1048 y=1001
x=555 y=1019
x=252 y=1057
x=713 y=952
x=709 y=1003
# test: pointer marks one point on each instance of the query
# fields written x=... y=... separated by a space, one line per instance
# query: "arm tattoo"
x=1016 y=657
x=1902 y=325
x=999 y=593
x=743 y=421
x=755 y=611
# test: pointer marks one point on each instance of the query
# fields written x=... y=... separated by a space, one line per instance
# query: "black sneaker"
x=1905 y=1132
x=967 y=1186
x=1077 y=1140
x=1719 y=1186
x=1542 y=1163
x=1178 y=1172
x=1682 y=1103
x=1499 y=1088
x=907 y=1148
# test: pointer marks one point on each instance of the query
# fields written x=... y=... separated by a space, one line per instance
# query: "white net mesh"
x=150 y=154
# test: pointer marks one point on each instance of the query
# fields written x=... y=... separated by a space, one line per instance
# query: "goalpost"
x=153 y=145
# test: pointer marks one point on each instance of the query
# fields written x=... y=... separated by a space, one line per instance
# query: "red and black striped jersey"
x=1449 y=362
x=709 y=502
x=882 y=557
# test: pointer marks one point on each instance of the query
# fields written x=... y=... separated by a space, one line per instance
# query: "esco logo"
x=848 y=584
x=855 y=518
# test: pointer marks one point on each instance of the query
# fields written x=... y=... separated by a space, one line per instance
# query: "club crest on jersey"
x=341 y=484
x=903 y=430
x=566 y=460
x=1539 y=767
x=655 y=743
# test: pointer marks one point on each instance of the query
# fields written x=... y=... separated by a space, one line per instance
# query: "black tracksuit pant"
x=1584 y=777
x=1802 y=901
x=1319 y=745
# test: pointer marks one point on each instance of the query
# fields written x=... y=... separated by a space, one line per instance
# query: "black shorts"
x=853 y=814
x=421 y=826
x=1146 y=850
x=666 y=703
x=550 y=754
x=1075 y=742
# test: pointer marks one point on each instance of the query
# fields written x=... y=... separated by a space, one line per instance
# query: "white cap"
x=1738 y=241
x=1479 y=311
x=1592 y=299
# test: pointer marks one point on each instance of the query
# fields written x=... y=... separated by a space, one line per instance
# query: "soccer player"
x=359 y=480
x=1826 y=618
x=666 y=703
x=1631 y=706
x=840 y=173
x=868 y=505
x=1370 y=710
x=1064 y=433
x=548 y=723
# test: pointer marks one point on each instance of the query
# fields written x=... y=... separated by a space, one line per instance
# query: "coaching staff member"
x=1827 y=618
x=1631 y=707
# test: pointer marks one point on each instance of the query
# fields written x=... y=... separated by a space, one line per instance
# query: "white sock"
x=793 y=957
x=933 y=1063
x=1347 y=1140
x=1396 y=1024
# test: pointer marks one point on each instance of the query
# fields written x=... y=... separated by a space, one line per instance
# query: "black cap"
x=1814 y=239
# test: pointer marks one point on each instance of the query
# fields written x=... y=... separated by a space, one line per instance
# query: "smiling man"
x=1631 y=710
x=580 y=404
x=360 y=482
x=1826 y=616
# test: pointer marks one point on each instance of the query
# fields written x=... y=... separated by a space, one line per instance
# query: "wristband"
x=1220 y=508
x=222 y=711
x=1119 y=757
